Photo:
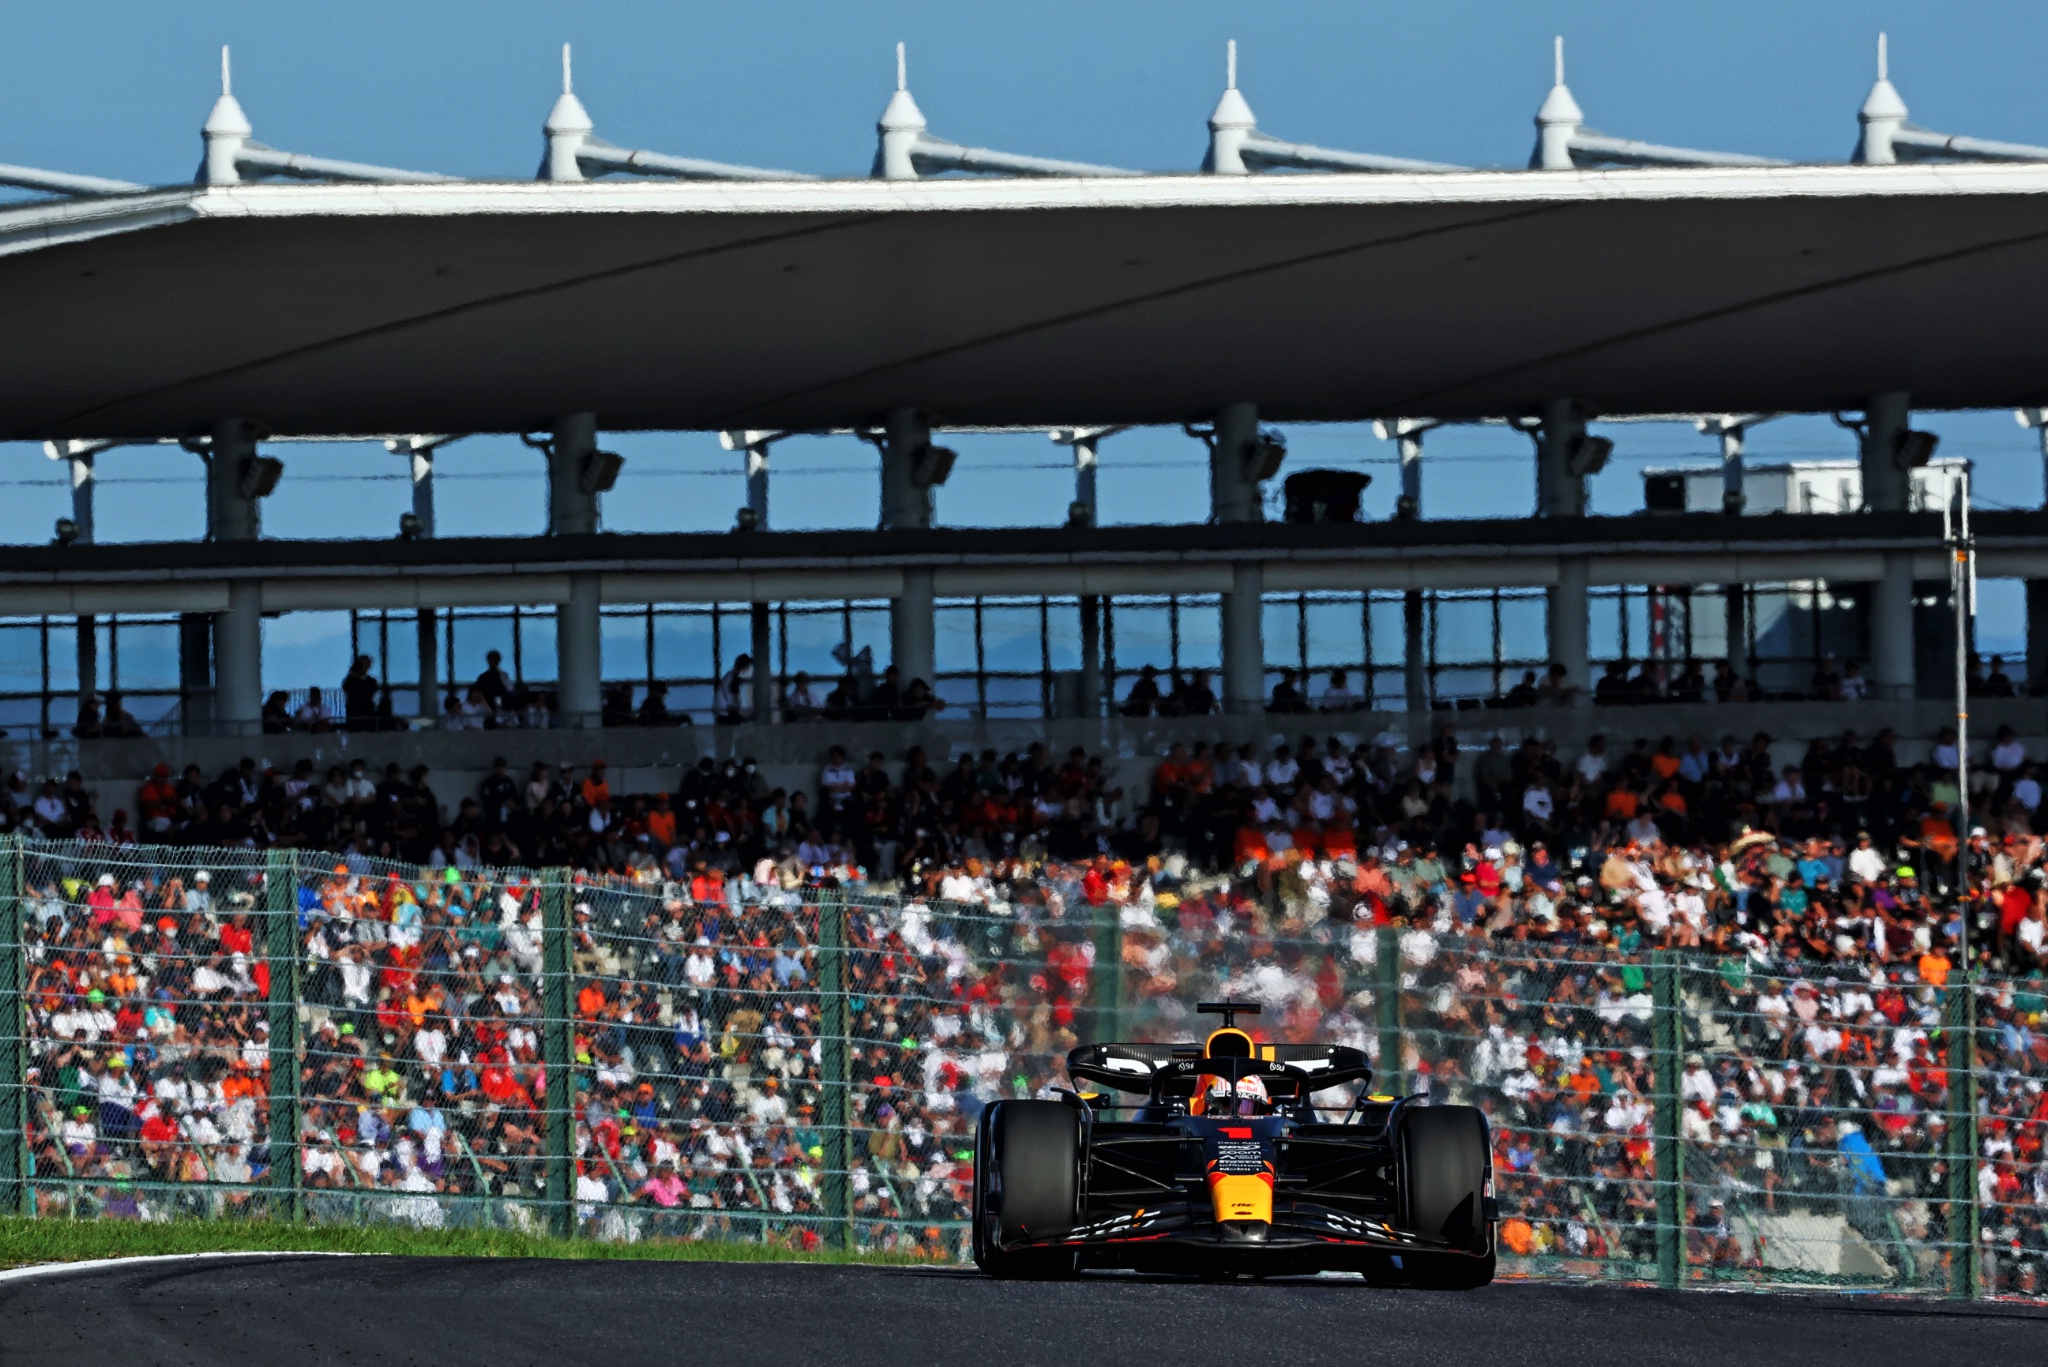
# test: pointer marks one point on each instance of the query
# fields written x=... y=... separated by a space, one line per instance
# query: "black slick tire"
x=1027 y=1183
x=1442 y=1163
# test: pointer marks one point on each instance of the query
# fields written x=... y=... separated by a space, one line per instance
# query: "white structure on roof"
x=907 y=151
x=1796 y=486
x=233 y=155
x=1888 y=138
x=1237 y=147
x=575 y=152
x=1564 y=143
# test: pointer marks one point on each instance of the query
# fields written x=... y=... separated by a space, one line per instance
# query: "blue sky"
x=461 y=86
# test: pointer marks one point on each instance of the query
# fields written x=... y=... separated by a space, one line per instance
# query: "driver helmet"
x=1248 y=1098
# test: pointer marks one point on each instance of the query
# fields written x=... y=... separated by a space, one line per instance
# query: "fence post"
x=1667 y=1060
x=17 y=1193
x=834 y=1069
x=1959 y=1022
x=1387 y=1004
x=1109 y=971
x=557 y=1051
x=281 y=954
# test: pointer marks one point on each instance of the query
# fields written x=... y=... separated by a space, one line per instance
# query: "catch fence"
x=287 y=1035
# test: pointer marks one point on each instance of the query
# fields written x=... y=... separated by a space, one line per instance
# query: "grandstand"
x=733 y=937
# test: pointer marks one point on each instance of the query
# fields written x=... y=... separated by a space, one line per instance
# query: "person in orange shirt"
x=1665 y=762
x=596 y=791
x=661 y=822
x=1622 y=803
x=1934 y=968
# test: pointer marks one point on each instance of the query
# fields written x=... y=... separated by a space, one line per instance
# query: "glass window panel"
x=1336 y=633
x=1280 y=632
x=623 y=644
x=401 y=661
x=1794 y=678
x=148 y=655
x=1708 y=622
x=365 y=631
x=1144 y=635
x=476 y=636
x=21 y=717
x=1769 y=630
x=63 y=648
x=871 y=633
x=682 y=644
x=103 y=653
x=1467 y=682
x=1201 y=632
x=692 y=700
x=1524 y=619
x=1015 y=698
x=1790 y=636
x=735 y=634
x=149 y=708
x=1844 y=622
x=961 y=697
x=1388 y=631
x=1603 y=626
x=21 y=659
x=953 y=638
x=1010 y=640
x=1063 y=632
x=1637 y=607
x=1389 y=690
x=537 y=661
x=1464 y=629
x=810 y=633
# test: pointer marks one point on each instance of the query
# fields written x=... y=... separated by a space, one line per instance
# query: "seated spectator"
x=1144 y=697
x=118 y=723
x=1287 y=695
x=312 y=714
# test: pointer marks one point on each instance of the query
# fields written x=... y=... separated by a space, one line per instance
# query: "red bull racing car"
x=1211 y=1159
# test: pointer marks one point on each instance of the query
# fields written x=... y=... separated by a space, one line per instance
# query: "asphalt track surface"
x=278 y=1310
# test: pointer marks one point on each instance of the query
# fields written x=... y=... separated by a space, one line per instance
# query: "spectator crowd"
x=1520 y=888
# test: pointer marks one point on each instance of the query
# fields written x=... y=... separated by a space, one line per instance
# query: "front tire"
x=1027 y=1183
x=1443 y=1170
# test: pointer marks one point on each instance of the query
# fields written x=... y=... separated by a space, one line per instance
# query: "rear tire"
x=1027 y=1182
x=1443 y=1165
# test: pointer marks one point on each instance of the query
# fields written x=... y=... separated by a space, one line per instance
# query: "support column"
x=2037 y=637
x=17 y=1194
x=1732 y=496
x=1091 y=655
x=1414 y=652
x=908 y=474
x=2037 y=589
x=1565 y=618
x=1887 y=487
x=1667 y=1054
x=761 y=648
x=83 y=480
x=1561 y=469
x=281 y=952
x=572 y=511
x=234 y=513
x=1414 y=639
x=195 y=671
x=427 y=628
x=558 y=1051
x=835 y=1073
x=1234 y=497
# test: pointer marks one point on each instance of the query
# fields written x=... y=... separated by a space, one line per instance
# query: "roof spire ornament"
x=1231 y=126
x=1559 y=119
x=1882 y=116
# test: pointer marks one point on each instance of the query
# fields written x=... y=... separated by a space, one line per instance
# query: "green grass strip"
x=24 y=1242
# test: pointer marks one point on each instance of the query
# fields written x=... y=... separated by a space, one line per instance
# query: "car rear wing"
x=1161 y=1070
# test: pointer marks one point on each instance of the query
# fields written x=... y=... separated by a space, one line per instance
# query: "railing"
x=228 y=1034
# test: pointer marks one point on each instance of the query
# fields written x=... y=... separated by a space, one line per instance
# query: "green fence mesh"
x=227 y=1034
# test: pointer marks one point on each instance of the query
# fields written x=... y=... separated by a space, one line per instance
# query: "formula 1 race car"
x=1224 y=1169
